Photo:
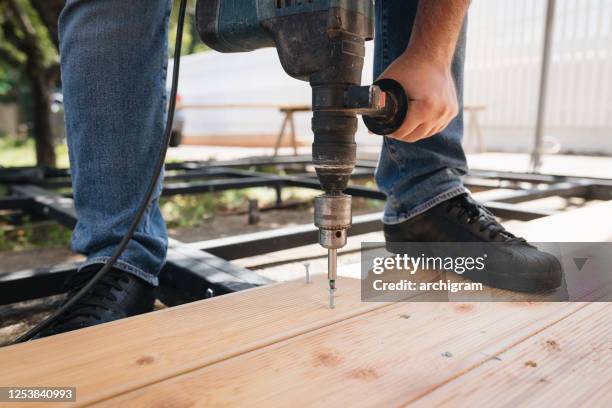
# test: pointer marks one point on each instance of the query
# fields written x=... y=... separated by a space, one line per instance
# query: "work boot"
x=116 y=296
x=512 y=263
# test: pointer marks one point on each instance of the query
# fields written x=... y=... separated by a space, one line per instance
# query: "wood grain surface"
x=387 y=357
x=589 y=224
x=116 y=357
x=568 y=364
x=280 y=345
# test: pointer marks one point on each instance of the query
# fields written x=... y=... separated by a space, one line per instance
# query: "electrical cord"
x=146 y=199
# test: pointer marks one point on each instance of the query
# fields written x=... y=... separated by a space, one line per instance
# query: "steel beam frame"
x=203 y=269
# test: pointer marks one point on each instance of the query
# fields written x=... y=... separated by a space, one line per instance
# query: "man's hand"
x=431 y=92
x=424 y=69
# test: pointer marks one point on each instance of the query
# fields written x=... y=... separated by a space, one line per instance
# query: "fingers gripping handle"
x=396 y=109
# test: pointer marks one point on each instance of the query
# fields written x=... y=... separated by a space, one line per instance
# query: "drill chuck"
x=333 y=217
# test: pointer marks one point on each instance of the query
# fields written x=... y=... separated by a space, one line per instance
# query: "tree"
x=28 y=43
x=191 y=39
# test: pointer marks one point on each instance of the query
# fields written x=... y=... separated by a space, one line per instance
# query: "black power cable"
x=146 y=199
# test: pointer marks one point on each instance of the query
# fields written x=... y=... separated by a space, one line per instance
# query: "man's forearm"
x=424 y=69
x=436 y=29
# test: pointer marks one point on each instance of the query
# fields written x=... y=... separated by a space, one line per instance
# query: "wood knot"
x=464 y=307
x=327 y=359
x=552 y=345
x=363 y=374
x=145 y=360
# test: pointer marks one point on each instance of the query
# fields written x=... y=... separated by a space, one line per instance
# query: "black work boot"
x=117 y=295
x=513 y=263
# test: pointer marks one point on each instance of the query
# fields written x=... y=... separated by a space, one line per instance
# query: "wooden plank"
x=386 y=357
x=567 y=365
x=238 y=140
x=589 y=224
x=112 y=358
x=245 y=106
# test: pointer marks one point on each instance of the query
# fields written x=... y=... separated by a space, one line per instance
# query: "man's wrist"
x=428 y=56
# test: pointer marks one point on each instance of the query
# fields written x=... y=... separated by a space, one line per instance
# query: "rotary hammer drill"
x=322 y=42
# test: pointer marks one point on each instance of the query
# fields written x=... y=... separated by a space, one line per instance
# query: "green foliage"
x=194 y=210
x=47 y=53
x=9 y=80
x=17 y=152
x=29 y=64
x=10 y=77
x=31 y=236
x=191 y=39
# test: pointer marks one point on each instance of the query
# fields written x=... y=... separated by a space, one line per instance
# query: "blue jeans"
x=416 y=176
x=113 y=58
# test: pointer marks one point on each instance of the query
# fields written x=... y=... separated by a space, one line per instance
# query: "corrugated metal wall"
x=503 y=70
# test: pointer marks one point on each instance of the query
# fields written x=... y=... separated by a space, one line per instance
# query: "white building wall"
x=503 y=70
x=502 y=73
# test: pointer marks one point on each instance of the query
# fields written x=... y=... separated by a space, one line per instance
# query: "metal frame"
x=203 y=269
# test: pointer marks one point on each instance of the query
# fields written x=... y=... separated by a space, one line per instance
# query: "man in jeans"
x=113 y=58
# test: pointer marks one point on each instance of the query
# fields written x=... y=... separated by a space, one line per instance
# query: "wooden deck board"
x=588 y=224
x=281 y=345
x=380 y=358
x=567 y=365
x=116 y=357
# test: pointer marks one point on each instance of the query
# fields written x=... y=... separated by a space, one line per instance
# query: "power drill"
x=322 y=42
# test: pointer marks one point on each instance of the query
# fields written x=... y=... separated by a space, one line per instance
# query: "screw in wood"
x=307 y=267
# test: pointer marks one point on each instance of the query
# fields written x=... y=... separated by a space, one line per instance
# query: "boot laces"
x=98 y=299
x=476 y=212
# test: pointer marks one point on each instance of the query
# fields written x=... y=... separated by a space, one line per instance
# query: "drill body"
x=322 y=42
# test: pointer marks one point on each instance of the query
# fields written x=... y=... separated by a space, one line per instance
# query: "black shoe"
x=512 y=263
x=117 y=295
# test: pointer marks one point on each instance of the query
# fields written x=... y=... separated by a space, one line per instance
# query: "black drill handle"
x=396 y=109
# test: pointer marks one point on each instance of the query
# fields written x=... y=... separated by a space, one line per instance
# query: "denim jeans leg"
x=416 y=176
x=113 y=61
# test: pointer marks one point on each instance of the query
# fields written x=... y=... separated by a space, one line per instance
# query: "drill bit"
x=332 y=270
